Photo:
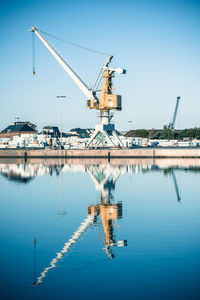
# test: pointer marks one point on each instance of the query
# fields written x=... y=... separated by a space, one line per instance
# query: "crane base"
x=105 y=136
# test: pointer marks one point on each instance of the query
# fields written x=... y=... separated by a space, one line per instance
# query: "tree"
x=167 y=133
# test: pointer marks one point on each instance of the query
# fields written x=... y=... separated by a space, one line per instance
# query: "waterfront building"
x=18 y=128
x=53 y=131
x=81 y=133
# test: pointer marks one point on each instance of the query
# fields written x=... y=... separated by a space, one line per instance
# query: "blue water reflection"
x=93 y=229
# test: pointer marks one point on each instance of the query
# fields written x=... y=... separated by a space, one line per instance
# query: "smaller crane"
x=172 y=124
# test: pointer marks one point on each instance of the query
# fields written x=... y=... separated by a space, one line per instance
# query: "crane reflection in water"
x=109 y=212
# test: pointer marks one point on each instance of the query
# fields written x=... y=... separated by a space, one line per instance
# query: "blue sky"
x=158 y=42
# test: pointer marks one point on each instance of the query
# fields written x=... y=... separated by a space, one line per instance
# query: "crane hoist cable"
x=98 y=80
x=73 y=44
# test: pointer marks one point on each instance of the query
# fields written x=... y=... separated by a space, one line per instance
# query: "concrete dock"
x=173 y=152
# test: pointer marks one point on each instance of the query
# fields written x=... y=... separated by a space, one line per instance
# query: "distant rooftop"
x=51 y=130
x=25 y=122
x=55 y=128
x=82 y=133
x=20 y=127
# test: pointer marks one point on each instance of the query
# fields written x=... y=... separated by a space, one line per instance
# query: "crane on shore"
x=172 y=124
x=105 y=133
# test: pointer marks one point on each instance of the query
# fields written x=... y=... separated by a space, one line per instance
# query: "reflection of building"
x=40 y=167
x=24 y=172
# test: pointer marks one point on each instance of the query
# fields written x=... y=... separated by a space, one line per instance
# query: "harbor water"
x=99 y=229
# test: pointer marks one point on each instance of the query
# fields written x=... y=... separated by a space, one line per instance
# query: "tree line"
x=166 y=133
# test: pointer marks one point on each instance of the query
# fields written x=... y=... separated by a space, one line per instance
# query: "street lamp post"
x=16 y=119
x=62 y=211
x=61 y=97
x=130 y=122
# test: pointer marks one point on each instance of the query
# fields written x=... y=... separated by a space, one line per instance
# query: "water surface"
x=100 y=230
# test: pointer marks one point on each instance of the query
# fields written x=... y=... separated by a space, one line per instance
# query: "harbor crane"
x=172 y=124
x=105 y=133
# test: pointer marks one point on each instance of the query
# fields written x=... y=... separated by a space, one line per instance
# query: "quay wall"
x=180 y=152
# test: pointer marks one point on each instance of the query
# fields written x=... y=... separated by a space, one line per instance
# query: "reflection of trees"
x=170 y=170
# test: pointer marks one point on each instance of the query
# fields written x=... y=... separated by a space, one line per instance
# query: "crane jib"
x=75 y=77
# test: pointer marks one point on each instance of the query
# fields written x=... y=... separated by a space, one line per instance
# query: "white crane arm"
x=81 y=84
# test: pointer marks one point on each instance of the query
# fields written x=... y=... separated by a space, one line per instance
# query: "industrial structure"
x=105 y=133
x=172 y=124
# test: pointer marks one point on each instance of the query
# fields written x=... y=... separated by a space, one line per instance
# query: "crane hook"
x=33 y=54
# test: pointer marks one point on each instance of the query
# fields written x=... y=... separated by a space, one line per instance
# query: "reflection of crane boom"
x=176 y=187
x=80 y=231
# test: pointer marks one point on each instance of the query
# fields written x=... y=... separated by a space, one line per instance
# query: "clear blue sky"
x=158 y=42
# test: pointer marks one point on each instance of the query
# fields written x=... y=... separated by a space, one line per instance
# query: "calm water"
x=99 y=230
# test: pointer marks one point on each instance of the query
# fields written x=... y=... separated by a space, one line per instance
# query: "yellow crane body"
x=108 y=100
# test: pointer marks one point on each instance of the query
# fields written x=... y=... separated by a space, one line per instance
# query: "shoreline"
x=164 y=152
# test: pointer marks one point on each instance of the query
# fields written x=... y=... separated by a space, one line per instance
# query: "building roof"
x=82 y=133
x=23 y=127
x=55 y=128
